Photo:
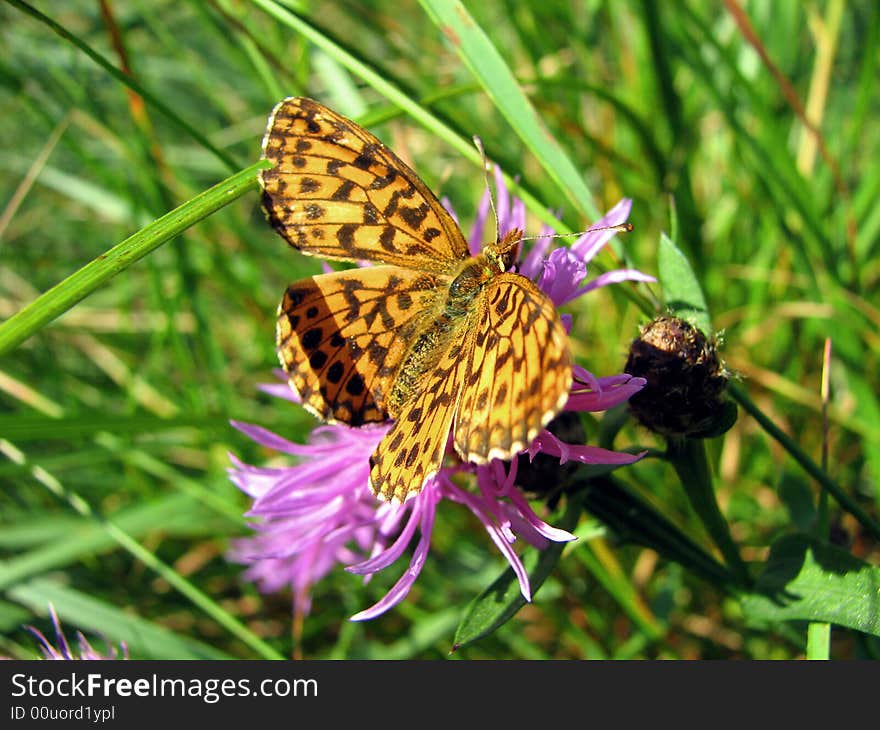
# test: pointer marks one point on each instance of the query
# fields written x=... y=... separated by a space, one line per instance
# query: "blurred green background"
x=124 y=401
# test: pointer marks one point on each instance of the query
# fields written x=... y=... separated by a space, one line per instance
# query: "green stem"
x=688 y=458
x=636 y=521
x=806 y=463
x=80 y=284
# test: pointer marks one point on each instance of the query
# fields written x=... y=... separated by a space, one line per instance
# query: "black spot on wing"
x=312 y=338
x=343 y=192
x=414 y=216
x=355 y=384
x=335 y=372
x=366 y=158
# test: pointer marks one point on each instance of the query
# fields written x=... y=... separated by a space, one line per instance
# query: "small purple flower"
x=65 y=651
x=320 y=512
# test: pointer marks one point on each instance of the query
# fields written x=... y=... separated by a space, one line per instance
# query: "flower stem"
x=688 y=458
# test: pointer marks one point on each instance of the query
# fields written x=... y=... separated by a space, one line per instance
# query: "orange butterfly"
x=432 y=337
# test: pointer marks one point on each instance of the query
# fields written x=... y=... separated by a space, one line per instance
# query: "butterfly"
x=438 y=340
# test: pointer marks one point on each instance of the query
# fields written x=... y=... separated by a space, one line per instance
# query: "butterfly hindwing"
x=342 y=336
x=412 y=451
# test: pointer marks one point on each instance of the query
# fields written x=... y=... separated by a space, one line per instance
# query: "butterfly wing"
x=342 y=337
x=336 y=191
x=518 y=374
x=412 y=450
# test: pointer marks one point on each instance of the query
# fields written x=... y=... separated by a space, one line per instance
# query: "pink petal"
x=532 y=265
x=280 y=390
x=542 y=528
x=475 y=240
x=609 y=277
x=503 y=545
x=547 y=443
x=392 y=553
x=607 y=396
x=402 y=587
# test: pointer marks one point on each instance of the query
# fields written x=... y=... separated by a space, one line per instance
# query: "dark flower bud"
x=685 y=392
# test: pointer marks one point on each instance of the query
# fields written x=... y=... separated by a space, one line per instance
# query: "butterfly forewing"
x=336 y=191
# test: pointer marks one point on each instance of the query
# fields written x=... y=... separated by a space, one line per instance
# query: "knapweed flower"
x=65 y=651
x=319 y=512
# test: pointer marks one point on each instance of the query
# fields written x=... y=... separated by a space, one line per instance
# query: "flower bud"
x=685 y=392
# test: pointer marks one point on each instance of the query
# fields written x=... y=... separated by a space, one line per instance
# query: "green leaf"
x=681 y=290
x=489 y=68
x=498 y=603
x=806 y=580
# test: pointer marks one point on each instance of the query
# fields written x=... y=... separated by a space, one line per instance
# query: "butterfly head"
x=502 y=253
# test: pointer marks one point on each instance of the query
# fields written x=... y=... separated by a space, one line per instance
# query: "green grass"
x=139 y=282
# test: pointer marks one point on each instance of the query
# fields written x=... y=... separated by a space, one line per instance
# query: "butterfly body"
x=435 y=336
x=436 y=339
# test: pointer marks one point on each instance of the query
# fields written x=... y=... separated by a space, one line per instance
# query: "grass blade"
x=489 y=68
x=80 y=284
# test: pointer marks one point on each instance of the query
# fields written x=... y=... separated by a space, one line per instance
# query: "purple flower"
x=65 y=651
x=320 y=512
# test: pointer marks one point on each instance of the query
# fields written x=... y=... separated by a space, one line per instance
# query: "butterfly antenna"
x=619 y=228
x=478 y=143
